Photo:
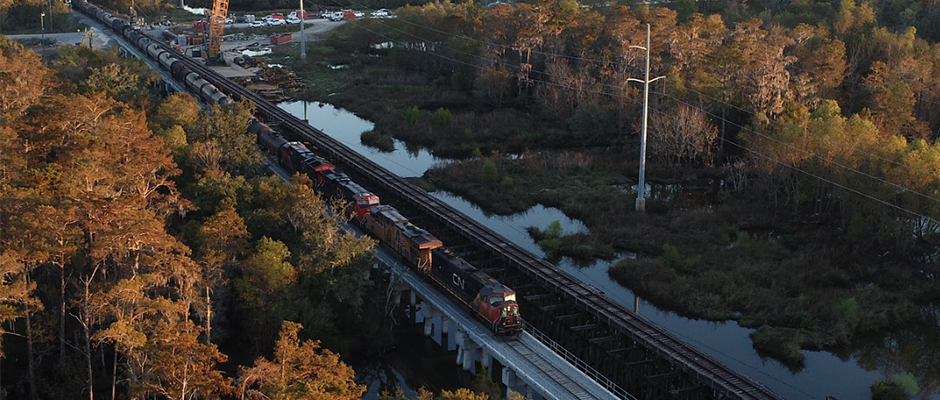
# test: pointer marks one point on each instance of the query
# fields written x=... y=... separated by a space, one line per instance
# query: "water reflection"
x=914 y=351
x=416 y=362
x=406 y=161
x=824 y=374
x=844 y=374
x=512 y=227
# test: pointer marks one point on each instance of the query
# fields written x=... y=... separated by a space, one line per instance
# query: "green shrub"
x=488 y=172
x=743 y=239
x=590 y=121
x=554 y=229
x=724 y=235
x=898 y=387
x=442 y=117
x=781 y=343
x=549 y=245
x=412 y=115
x=672 y=258
x=377 y=140
x=506 y=182
x=848 y=313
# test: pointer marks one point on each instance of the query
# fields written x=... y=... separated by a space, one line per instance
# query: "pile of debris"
x=282 y=77
x=270 y=81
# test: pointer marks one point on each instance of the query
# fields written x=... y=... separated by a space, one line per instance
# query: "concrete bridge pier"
x=486 y=361
x=467 y=351
x=451 y=330
x=396 y=296
x=414 y=306
x=432 y=322
x=510 y=380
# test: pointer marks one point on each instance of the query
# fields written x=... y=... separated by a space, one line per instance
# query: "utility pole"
x=303 y=39
x=641 y=185
x=42 y=27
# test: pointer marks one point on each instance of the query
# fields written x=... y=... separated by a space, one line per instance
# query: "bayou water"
x=845 y=374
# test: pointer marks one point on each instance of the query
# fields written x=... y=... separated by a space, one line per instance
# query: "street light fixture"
x=641 y=185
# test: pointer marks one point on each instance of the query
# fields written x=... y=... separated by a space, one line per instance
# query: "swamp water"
x=845 y=374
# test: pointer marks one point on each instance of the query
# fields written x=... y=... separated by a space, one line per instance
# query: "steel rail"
x=722 y=380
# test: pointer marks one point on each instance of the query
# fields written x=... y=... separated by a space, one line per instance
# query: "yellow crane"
x=216 y=29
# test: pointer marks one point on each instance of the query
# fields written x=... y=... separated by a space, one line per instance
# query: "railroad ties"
x=621 y=350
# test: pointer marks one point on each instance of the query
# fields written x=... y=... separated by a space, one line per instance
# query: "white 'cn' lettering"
x=457 y=281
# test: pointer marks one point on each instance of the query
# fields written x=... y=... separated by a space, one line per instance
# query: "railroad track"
x=723 y=382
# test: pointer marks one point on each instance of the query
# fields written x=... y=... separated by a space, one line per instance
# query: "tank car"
x=207 y=91
x=179 y=71
x=133 y=35
x=154 y=50
x=195 y=82
x=268 y=138
x=166 y=60
x=221 y=99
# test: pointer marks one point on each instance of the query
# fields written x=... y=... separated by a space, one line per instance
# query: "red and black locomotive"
x=490 y=300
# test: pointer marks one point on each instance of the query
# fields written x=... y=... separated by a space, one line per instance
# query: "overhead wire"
x=702 y=95
x=745 y=128
x=743 y=147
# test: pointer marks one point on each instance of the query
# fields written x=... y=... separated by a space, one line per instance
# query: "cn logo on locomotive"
x=458 y=281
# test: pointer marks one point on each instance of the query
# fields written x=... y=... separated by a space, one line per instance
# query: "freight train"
x=490 y=300
x=160 y=53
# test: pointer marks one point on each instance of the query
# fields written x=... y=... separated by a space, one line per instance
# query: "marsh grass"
x=702 y=250
x=726 y=260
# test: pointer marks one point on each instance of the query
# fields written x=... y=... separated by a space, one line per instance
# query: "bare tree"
x=685 y=136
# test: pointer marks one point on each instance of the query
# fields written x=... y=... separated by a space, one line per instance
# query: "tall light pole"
x=42 y=27
x=641 y=185
x=303 y=39
x=50 y=16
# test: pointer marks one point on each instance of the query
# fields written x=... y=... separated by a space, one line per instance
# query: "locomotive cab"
x=497 y=304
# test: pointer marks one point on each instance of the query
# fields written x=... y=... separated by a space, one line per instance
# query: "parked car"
x=326 y=14
x=256 y=24
x=292 y=20
x=299 y=15
x=380 y=13
x=277 y=22
x=358 y=14
x=337 y=16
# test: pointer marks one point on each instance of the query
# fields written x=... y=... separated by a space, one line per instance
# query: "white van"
x=337 y=16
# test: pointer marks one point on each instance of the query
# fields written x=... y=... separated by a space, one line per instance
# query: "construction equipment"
x=89 y=36
x=216 y=29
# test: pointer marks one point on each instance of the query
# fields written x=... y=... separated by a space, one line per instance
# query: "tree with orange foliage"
x=299 y=371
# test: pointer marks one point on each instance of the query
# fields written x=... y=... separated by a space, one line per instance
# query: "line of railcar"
x=490 y=300
x=167 y=60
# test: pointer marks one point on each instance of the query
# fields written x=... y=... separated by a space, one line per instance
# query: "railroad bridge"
x=633 y=354
x=591 y=331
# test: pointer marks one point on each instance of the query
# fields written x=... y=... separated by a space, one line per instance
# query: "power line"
x=698 y=93
x=744 y=128
x=795 y=168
